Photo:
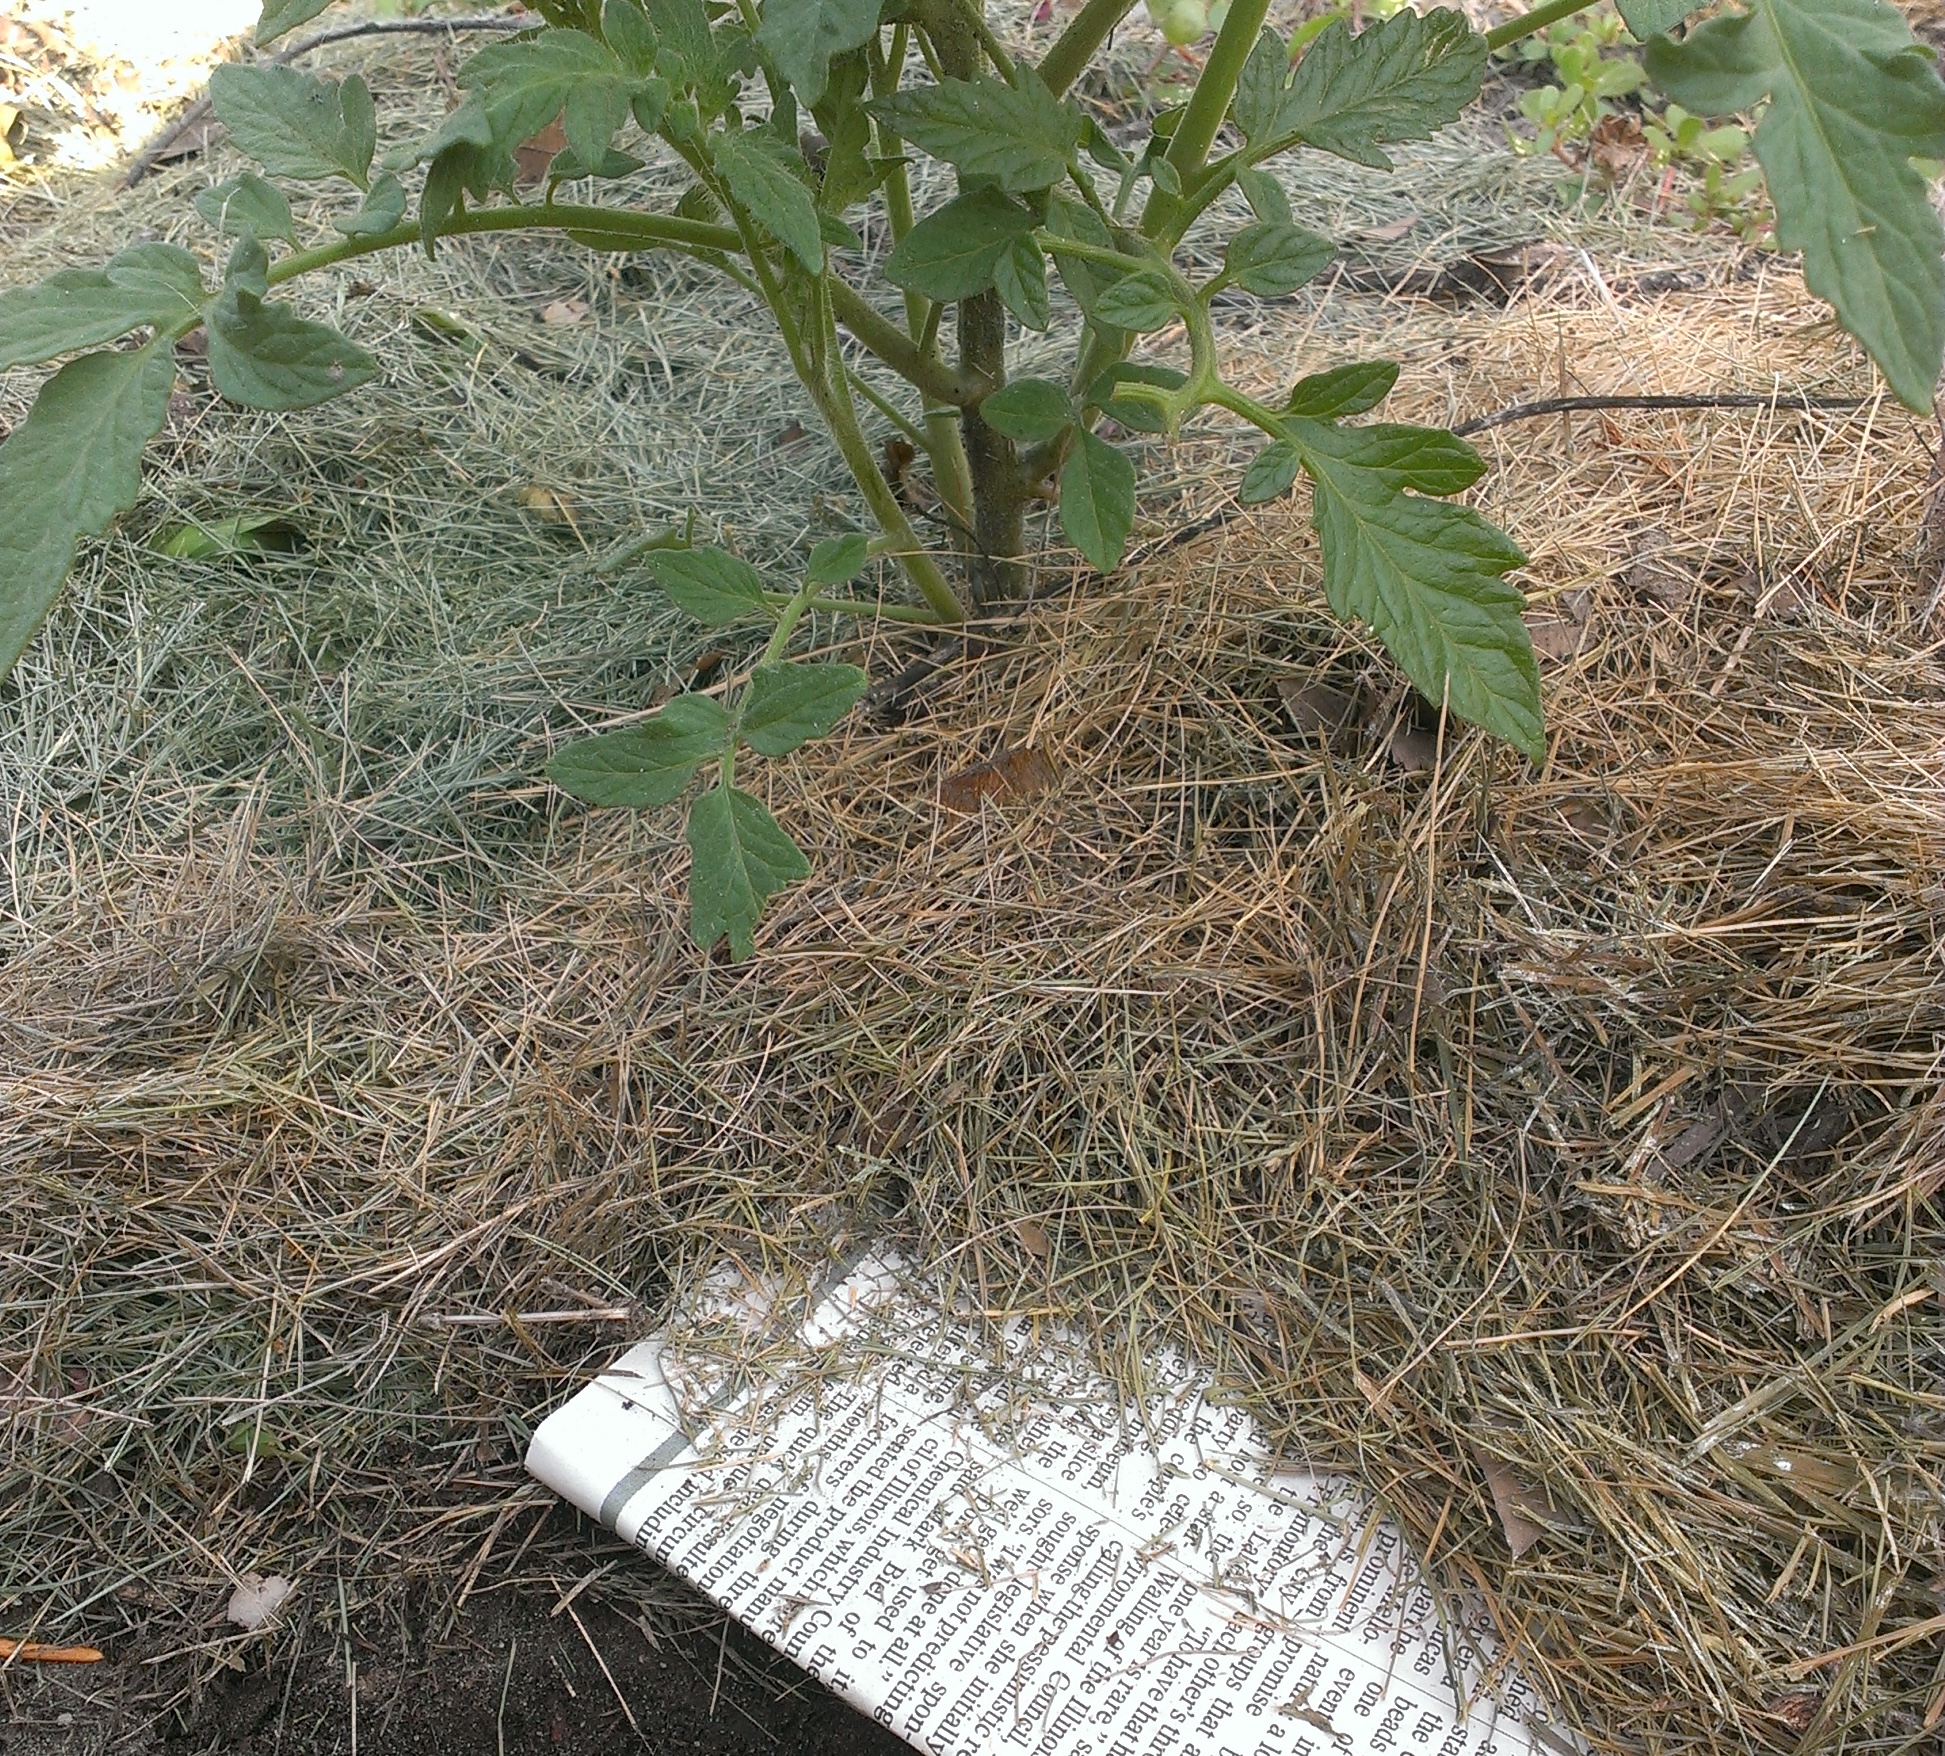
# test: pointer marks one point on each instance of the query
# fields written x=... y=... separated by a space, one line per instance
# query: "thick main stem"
x=999 y=494
x=998 y=488
x=942 y=442
x=819 y=365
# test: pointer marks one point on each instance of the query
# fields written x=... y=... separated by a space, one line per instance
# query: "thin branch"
x=651 y=230
x=996 y=53
x=913 y=362
x=157 y=149
x=1536 y=20
x=1091 y=27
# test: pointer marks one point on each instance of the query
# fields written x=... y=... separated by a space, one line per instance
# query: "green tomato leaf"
x=282 y=15
x=65 y=471
x=457 y=170
x=646 y=765
x=837 y=560
x=1135 y=413
x=248 y=267
x=1649 y=18
x=742 y=859
x=1271 y=474
x=686 y=53
x=466 y=124
x=1853 y=100
x=1399 y=80
x=1029 y=410
x=802 y=37
x=1271 y=259
x=1426 y=459
x=566 y=73
x=711 y=585
x=265 y=356
x=849 y=171
x=1138 y=302
x=650 y=104
x=954 y=253
x=1099 y=145
x=1097 y=500
x=1018 y=137
x=1426 y=576
x=1085 y=280
x=1260 y=90
x=246 y=533
x=836 y=233
x=146 y=286
x=247 y=203
x=789 y=703
x=296 y=126
x=380 y=211
x=769 y=179
x=1020 y=279
x=1267 y=197
x=1345 y=390
x=626 y=30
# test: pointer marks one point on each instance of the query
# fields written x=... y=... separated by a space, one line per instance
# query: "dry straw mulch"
x=1576 y=1127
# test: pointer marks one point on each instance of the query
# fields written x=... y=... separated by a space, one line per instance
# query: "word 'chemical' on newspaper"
x=989 y=1551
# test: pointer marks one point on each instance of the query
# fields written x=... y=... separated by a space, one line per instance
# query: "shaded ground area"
x=519 y=1670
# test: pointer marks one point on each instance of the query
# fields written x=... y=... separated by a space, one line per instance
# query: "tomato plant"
x=1046 y=207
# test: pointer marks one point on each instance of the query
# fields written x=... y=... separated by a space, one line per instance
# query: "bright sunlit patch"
x=146 y=32
x=97 y=78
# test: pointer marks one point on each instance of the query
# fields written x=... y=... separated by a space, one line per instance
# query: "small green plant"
x=1049 y=215
x=1597 y=61
x=1730 y=186
x=1590 y=78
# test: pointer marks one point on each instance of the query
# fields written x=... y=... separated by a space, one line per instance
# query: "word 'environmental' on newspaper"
x=988 y=1551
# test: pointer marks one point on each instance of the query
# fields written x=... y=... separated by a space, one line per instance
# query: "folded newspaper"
x=991 y=1552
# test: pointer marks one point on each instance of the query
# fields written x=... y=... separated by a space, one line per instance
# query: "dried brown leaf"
x=536 y=153
x=1034 y=1238
x=1317 y=707
x=1519 y=1503
x=1617 y=146
x=1654 y=569
x=1555 y=637
x=1013 y=774
x=1414 y=751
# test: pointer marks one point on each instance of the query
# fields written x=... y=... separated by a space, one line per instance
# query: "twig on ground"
x=1573 y=405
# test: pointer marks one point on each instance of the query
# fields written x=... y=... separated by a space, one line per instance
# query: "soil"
x=513 y=1679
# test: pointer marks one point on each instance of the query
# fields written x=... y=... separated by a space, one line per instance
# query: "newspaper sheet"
x=989 y=1552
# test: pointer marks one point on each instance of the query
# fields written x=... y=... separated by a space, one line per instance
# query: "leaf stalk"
x=1537 y=20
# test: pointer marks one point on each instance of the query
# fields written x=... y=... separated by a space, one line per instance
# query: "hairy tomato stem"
x=1067 y=60
x=1535 y=20
x=1202 y=120
x=652 y=229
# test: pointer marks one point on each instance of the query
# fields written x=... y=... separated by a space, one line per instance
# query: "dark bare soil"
x=512 y=1678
